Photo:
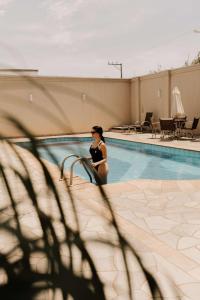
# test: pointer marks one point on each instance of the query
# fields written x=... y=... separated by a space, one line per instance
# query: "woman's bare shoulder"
x=102 y=145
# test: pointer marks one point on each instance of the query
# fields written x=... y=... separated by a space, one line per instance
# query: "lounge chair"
x=146 y=124
x=123 y=128
x=192 y=127
x=167 y=127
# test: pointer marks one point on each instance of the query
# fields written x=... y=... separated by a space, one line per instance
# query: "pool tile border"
x=131 y=144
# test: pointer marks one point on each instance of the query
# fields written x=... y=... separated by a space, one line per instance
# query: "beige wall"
x=188 y=81
x=59 y=105
x=135 y=99
x=154 y=93
x=150 y=94
x=52 y=105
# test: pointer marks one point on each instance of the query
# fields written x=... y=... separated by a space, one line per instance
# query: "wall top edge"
x=59 y=78
x=18 y=70
x=151 y=76
x=167 y=72
x=128 y=80
x=186 y=69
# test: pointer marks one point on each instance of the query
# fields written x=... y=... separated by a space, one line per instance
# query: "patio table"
x=180 y=124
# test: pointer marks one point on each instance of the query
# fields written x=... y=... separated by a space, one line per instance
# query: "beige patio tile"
x=193 y=253
x=187 y=242
x=197 y=233
x=170 y=239
x=171 y=274
x=161 y=223
x=184 y=229
x=192 y=291
x=174 y=216
x=195 y=273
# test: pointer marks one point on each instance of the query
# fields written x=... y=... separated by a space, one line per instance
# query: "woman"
x=98 y=152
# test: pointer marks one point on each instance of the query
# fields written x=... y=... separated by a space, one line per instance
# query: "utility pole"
x=117 y=65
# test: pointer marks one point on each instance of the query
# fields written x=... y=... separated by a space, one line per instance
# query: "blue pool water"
x=130 y=160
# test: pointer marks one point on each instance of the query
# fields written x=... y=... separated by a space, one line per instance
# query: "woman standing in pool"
x=98 y=152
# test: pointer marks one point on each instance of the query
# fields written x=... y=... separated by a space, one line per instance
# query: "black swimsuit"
x=96 y=154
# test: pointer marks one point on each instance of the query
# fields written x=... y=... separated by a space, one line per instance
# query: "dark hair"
x=99 y=130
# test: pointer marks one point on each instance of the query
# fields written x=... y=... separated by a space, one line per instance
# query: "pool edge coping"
x=121 y=138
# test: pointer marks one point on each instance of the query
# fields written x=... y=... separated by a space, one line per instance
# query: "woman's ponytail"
x=102 y=138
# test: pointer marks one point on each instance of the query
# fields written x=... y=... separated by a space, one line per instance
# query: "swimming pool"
x=128 y=160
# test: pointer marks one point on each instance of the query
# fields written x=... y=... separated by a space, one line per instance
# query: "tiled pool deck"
x=161 y=219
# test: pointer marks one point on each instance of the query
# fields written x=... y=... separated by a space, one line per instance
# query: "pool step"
x=78 y=182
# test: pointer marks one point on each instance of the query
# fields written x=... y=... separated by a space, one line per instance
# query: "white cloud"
x=3 y=5
x=62 y=8
x=61 y=38
x=5 y=2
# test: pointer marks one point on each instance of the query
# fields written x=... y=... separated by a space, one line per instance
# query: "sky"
x=79 y=37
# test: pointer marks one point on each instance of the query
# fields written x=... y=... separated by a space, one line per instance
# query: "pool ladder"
x=83 y=161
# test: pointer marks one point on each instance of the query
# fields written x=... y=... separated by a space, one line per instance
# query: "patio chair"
x=190 y=129
x=167 y=127
x=155 y=129
x=146 y=124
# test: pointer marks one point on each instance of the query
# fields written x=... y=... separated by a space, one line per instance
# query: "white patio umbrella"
x=177 y=105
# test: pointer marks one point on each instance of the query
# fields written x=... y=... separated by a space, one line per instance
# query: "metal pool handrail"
x=79 y=159
x=63 y=164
